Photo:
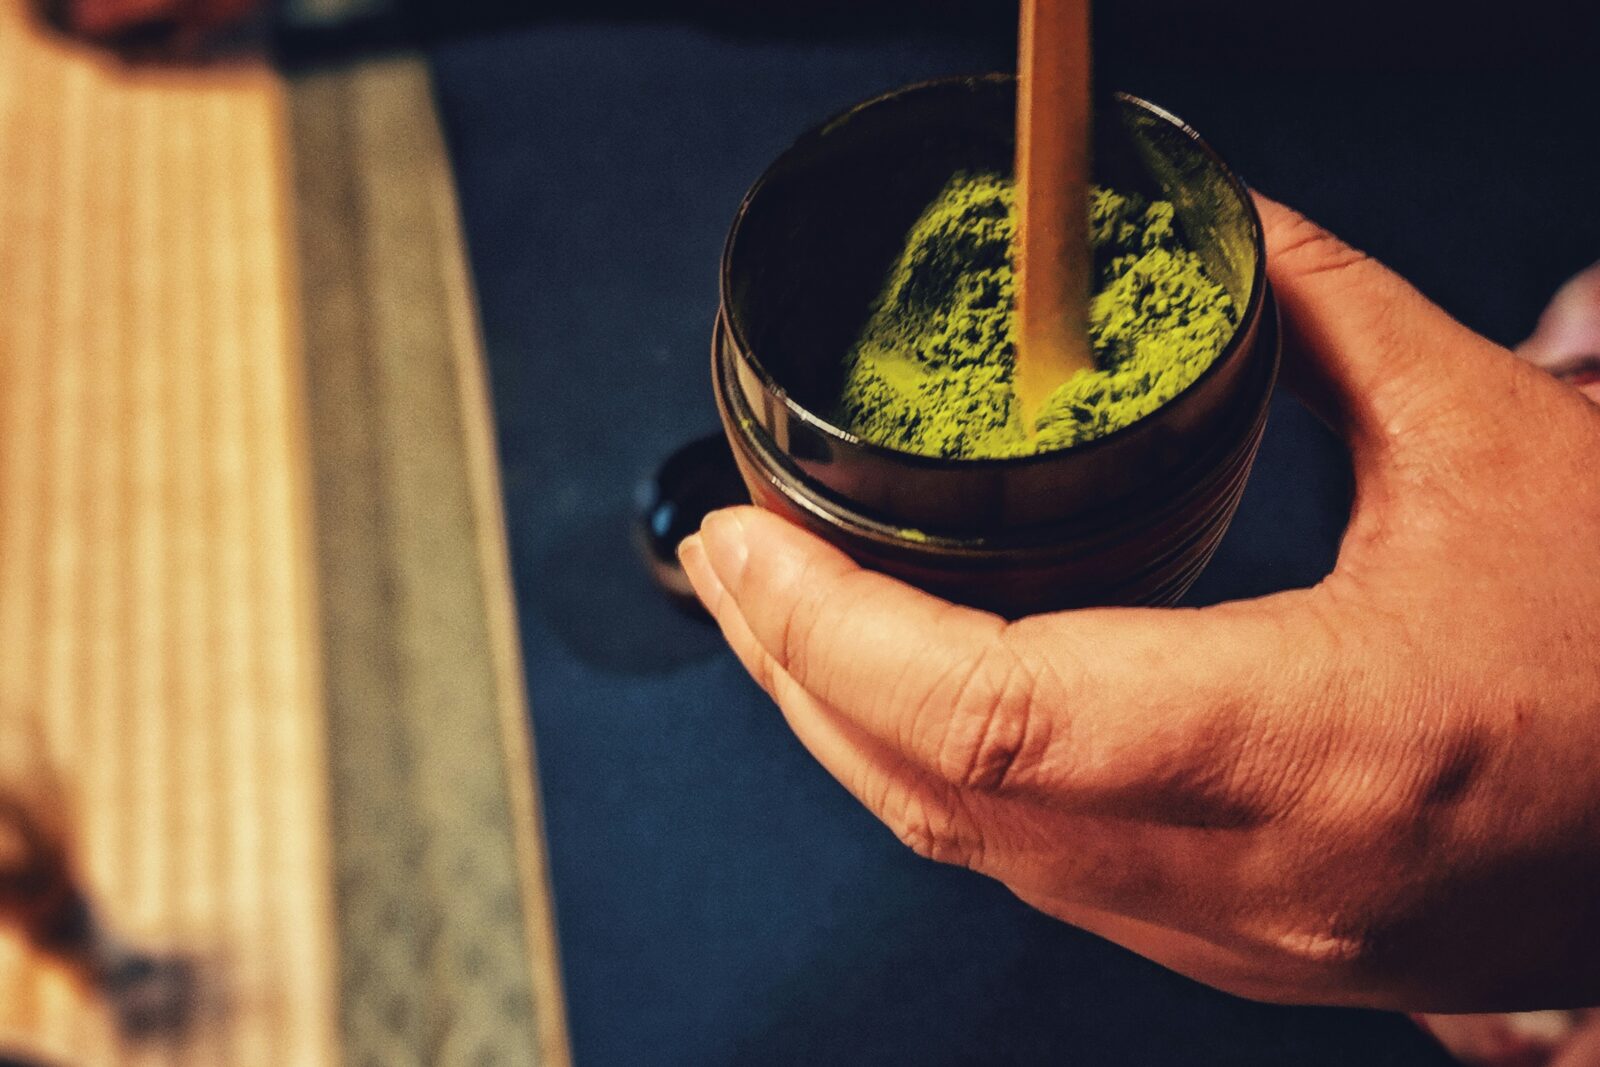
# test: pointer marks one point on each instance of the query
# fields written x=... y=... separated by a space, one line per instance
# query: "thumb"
x=1368 y=352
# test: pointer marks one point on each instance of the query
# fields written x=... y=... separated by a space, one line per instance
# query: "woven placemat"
x=442 y=892
x=255 y=587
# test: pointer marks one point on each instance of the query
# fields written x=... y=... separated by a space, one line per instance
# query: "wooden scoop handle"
x=1053 y=131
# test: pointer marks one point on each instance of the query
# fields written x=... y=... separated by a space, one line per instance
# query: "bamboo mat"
x=268 y=641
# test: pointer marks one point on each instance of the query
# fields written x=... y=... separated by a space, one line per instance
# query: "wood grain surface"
x=218 y=703
x=1054 y=263
x=155 y=611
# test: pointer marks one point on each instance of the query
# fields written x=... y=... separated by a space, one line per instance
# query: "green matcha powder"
x=931 y=372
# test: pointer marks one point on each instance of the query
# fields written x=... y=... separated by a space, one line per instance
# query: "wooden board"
x=273 y=658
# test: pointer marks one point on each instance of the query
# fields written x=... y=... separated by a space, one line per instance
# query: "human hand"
x=1567 y=341
x=1525 y=1039
x=1383 y=790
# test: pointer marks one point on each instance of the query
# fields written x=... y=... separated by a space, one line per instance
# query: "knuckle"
x=767 y=673
x=988 y=741
x=798 y=628
x=1334 y=954
x=1217 y=768
x=1422 y=750
x=930 y=828
x=1328 y=952
x=1372 y=879
x=1448 y=772
x=1307 y=250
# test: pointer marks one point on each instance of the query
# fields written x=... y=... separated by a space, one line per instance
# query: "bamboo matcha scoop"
x=1053 y=261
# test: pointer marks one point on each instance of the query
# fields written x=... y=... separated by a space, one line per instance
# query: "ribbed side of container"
x=1150 y=559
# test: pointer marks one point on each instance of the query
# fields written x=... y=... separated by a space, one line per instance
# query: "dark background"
x=721 y=900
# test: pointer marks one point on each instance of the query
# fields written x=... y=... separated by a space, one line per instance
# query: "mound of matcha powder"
x=931 y=372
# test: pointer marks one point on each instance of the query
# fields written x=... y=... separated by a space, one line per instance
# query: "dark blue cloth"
x=721 y=900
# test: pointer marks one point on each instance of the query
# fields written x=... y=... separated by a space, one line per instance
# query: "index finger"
x=1132 y=711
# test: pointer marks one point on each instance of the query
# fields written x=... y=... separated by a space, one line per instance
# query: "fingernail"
x=692 y=557
x=723 y=536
